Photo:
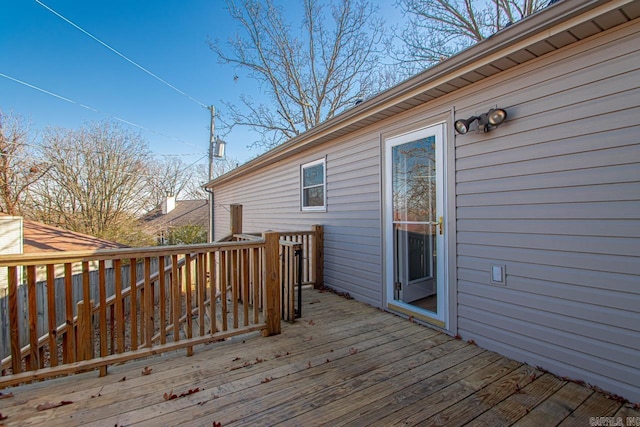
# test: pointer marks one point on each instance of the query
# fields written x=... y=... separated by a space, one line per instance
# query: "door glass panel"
x=415 y=222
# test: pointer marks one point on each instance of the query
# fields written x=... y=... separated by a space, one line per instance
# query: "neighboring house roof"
x=186 y=212
x=40 y=237
x=552 y=28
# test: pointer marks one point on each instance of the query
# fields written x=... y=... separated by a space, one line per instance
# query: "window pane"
x=313 y=175
x=313 y=196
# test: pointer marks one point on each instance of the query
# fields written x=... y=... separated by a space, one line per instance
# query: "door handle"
x=441 y=226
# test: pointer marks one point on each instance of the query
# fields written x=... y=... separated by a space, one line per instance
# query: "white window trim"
x=322 y=208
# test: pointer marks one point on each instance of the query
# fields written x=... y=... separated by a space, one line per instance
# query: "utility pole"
x=211 y=147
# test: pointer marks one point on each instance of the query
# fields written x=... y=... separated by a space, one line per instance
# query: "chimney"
x=168 y=204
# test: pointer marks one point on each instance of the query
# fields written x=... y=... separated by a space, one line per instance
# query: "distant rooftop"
x=40 y=237
x=185 y=212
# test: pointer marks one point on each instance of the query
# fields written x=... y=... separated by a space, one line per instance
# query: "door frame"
x=443 y=319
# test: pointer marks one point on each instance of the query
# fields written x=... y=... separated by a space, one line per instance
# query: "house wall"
x=553 y=195
x=271 y=200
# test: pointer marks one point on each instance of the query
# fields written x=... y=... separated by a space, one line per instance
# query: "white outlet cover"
x=497 y=274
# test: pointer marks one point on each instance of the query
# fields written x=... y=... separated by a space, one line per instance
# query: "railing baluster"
x=16 y=353
x=147 y=314
x=234 y=285
x=120 y=323
x=102 y=313
x=187 y=291
x=201 y=278
x=162 y=296
x=255 y=283
x=51 y=311
x=212 y=292
x=245 y=285
x=69 y=339
x=34 y=351
x=176 y=303
x=223 y=288
x=133 y=301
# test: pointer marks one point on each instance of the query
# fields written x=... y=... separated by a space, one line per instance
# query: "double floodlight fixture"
x=218 y=149
x=487 y=121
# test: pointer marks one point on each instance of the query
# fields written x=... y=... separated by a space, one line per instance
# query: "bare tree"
x=309 y=76
x=19 y=167
x=200 y=176
x=168 y=177
x=97 y=181
x=437 y=29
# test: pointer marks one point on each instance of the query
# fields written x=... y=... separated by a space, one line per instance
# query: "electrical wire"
x=95 y=110
x=121 y=55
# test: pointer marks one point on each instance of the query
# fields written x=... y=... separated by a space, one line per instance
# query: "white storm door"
x=414 y=224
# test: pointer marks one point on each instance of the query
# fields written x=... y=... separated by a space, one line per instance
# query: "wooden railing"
x=198 y=294
x=301 y=262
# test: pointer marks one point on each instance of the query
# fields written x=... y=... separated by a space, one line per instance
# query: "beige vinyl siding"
x=271 y=200
x=554 y=195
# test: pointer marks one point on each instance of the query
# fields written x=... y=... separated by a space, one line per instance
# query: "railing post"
x=236 y=219
x=272 y=283
x=318 y=251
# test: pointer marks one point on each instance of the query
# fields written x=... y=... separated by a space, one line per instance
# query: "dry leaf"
x=309 y=364
x=266 y=380
x=122 y=379
x=216 y=424
x=353 y=350
x=311 y=322
x=191 y=391
x=147 y=370
x=5 y=395
x=170 y=396
x=236 y=359
x=2 y=418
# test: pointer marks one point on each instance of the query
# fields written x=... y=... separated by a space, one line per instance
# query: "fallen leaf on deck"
x=215 y=424
x=122 y=379
x=191 y=391
x=353 y=350
x=147 y=370
x=170 y=396
x=3 y=417
x=311 y=322
x=309 y=364
x=5 y=395
x=235 y=359
x=266 y=380
x=49 y=405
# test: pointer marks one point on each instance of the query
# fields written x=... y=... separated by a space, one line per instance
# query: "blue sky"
x=167 y=37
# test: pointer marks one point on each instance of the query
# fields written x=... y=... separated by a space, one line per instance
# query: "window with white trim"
x=312 y=186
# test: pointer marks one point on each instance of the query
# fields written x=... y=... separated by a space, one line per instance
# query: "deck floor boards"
x=342 y=363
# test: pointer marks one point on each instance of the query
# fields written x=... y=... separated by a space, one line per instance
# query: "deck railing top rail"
x=111 y=254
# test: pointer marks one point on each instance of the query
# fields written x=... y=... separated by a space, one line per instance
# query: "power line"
x=121 y=55
x=95 y=110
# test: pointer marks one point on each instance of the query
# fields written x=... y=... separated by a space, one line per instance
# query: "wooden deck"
x=343 y=363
